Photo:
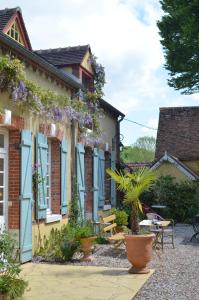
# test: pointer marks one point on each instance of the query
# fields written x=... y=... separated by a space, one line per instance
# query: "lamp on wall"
x=7 y=117
x=53 y=129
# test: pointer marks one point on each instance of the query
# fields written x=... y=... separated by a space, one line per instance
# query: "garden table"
x=195 y=227
x=156 y=227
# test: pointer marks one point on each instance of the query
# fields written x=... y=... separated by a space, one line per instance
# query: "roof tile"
x=64 y=56
x=178 y=132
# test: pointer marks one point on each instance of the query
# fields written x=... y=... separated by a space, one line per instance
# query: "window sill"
x=107 y=207
x=53 y=218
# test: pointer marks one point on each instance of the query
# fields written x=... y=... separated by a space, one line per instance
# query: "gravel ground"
x=176 y=275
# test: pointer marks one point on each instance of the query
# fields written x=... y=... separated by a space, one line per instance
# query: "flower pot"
x=4 y=297
x=86 y=246
x=139 y=252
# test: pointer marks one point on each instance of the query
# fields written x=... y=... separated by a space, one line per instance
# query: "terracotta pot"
x=4 y=297
x=139 y=252
x=86 y=246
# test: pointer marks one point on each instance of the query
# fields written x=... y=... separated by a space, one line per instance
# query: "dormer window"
x=14 y=33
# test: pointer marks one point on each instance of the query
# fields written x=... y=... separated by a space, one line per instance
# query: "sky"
x=124 y=36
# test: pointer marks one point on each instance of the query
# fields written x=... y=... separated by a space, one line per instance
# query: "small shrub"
x=12 y=287
x=181 y=198
x=60 y=245
x=10 y=284
x=121 y=216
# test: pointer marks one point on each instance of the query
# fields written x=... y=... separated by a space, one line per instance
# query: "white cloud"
x=124 y=36
x=152 y=123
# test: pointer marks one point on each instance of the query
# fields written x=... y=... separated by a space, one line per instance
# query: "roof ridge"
x=59 y=49
x=17 y=8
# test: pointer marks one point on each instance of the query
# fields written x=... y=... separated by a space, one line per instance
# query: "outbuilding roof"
x=177 y=163
x=178 y=132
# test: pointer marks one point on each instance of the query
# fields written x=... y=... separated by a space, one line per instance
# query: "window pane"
x=1 y=179
x=12 y=33
x=16 y=36
x=1 y=141
x=1 y=209
x=1 y=194
x=1 y=164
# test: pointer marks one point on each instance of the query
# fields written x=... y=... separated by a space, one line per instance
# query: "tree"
x=179 y=30
x=133 y=185
x=142 y=150
x=146 y=142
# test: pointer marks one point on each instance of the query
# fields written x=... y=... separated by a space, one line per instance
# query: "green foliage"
x=142 y=150
x=121 y=216
x=101 y=240
x=84 y=230
x=60 y=245
x=12 y=287
x=179 y=29
x=181 y=198
x=10 y=283
x=133 y=185
x=74 y=212
x=31 y=97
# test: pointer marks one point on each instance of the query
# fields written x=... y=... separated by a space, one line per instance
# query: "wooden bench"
x=109 y=226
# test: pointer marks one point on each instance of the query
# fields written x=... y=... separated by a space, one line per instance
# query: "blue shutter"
x=41 y=156
x=113 y=184
x=26 y=197
x=95 y=183
x=63 y=177
x=81 y=177
x=101 y=173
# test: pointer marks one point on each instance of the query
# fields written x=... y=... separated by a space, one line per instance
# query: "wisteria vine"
x=29 y=96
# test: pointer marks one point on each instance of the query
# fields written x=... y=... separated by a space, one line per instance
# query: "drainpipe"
x=119 y=120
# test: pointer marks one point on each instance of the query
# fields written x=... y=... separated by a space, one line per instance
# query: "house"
x=177 y=143
x=42 y=148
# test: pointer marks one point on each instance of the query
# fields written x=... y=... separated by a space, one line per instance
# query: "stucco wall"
x=86 y=63
x=108 y=127
x=170 y=169
x=193 y=165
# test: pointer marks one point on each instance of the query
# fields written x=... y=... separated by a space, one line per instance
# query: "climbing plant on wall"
x=29 y=96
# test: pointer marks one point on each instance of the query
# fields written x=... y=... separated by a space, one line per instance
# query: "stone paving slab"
x=59 y=282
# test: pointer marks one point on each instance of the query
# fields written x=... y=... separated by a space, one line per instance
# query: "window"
x=50 y=215
x=14 y=33
x=48 y=179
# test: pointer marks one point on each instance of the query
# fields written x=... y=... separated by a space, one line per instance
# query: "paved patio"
x=51 y=281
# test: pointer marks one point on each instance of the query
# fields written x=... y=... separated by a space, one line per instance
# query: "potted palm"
x=138 y=246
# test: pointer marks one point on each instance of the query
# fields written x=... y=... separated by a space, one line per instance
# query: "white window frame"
x=4 y=153
x=50 y=217
x=48 y=174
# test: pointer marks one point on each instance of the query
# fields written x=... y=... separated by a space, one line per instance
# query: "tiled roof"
x=30 y=55
x=178 y=132
x=64 y=56
x=5 y=15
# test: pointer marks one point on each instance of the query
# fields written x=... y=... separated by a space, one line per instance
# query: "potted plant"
x=85 y=235
x=138 y=246
x=11 y=285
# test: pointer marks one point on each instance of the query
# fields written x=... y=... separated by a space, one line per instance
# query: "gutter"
x=68 y=78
